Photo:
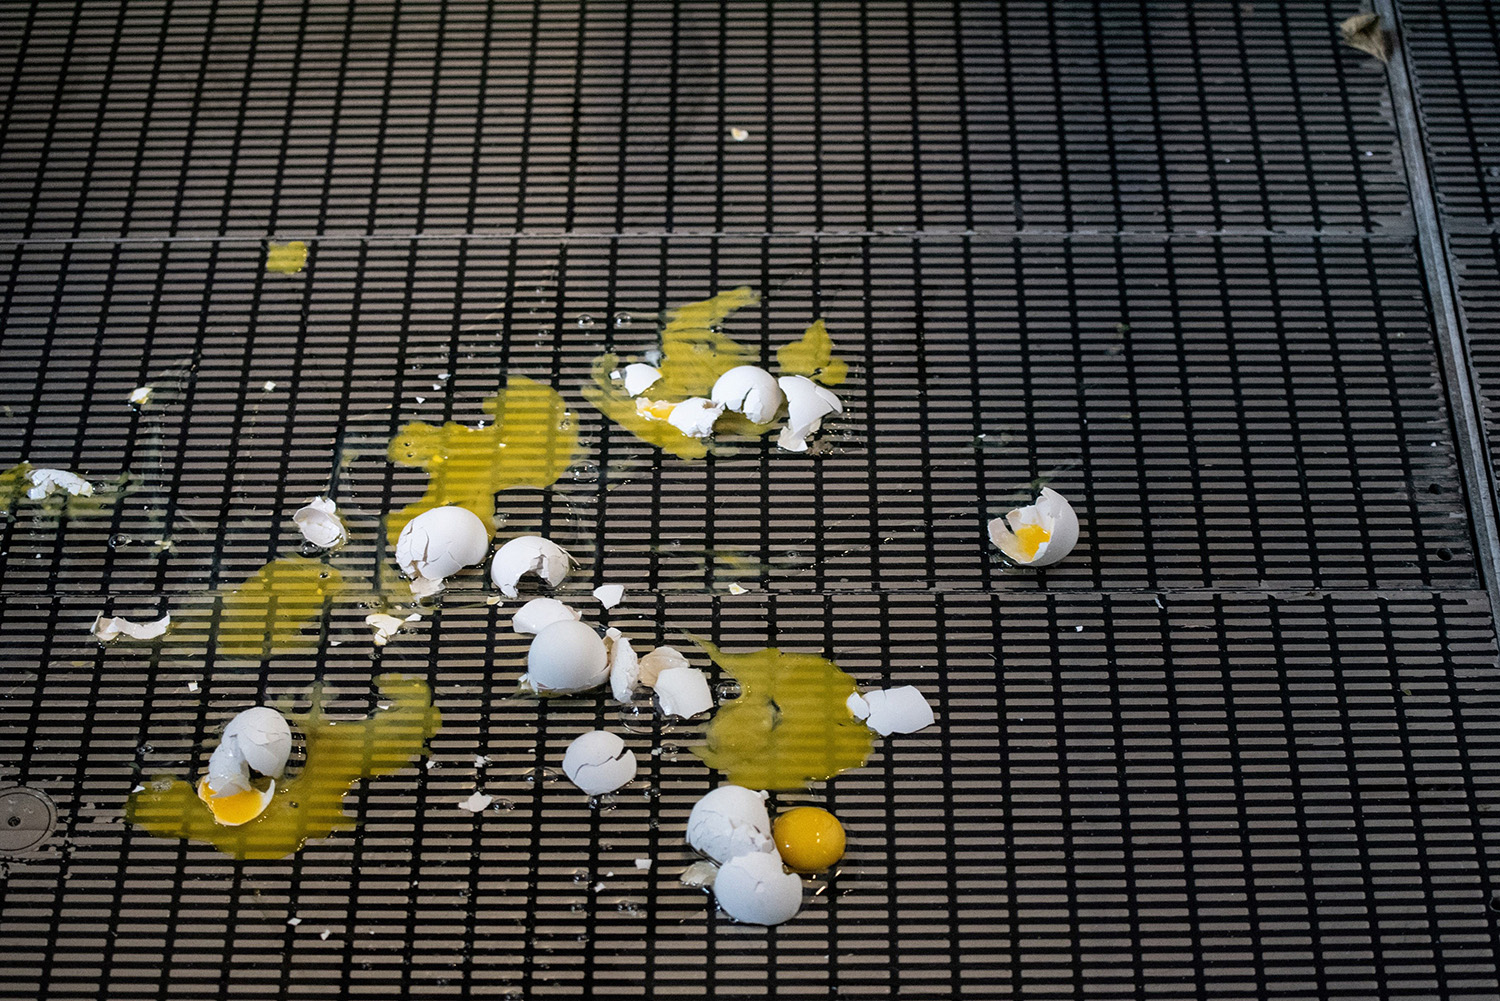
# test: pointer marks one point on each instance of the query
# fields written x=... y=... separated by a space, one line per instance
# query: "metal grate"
x=1241 y=745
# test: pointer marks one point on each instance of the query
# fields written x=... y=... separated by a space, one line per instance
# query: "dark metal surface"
x=1242 y=744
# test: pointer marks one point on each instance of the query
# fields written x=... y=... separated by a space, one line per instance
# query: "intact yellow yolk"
x=810 y=839
x=1030 y=539
x=241 y=808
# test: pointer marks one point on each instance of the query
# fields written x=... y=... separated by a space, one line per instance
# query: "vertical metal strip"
x=1452 y=346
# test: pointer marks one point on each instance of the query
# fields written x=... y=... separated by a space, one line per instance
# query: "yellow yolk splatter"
x=311 y=803
x=265 y=614
x=239 y=808
x=791 y=724
x=286 y=258
x=1030 y=538
x=531 y=443
x=810 y=839
x=813 y=357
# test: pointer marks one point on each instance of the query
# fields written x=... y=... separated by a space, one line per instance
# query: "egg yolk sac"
x=310 y=804
x=237 y=808
x=810 y=839
x=1029 y=539
x=531 y=443
x=694 y=353
x=791 y=724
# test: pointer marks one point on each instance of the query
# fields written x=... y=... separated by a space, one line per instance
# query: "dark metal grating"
x=1244 y=744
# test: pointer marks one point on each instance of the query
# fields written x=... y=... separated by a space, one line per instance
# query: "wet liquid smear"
x=791 y=724
x=310 y=804
x=15 y=482
x=286 y=258
x=531 y=443
x=267 y=613
x=694 y=353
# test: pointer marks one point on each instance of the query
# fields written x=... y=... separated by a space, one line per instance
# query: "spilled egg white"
x=528 y=554
x=566 y=657
x=439 y=543
x=755 y=889
x=598 y=762
x=748 y=390
x=1053 y=514
x=731 y=821
x=807 y=403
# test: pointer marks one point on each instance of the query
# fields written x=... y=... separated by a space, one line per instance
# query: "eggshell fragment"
x=683 y=692
x=46 y=482
x=695 y=416
x=539 y=613
x=477 y=802
x=528 y=554
x=807 y=403
x=609 y=595
x=386 y=626
x=258 y=738
x=566 y=657
x=756 y=890
x=624 y=666
x=731 y=821
x=659 y=660
x=109 y=629
x=319 y=523
x=1054 y=514
x=897 y=710
x=141 y=395
x=598 y=762
x=858 y=707
x=748 y=390
x=639 y=377
x=439 y=543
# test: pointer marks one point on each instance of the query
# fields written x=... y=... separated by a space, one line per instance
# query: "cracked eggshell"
x=528 y=554
x=897 y=710
x=1054 y=514
x=264 y=737
x=566 y=657
x=695 y=416
x=598 y=762
x=46 y=482
x=748 y=390
x=731 y=821
x=609 y=595
x=319 y=523
x=624 y=666
x=807 y=403
x=439 y=543
x=639 y=377
x=683 y=692
x=539 y=613
x=659 y=660
x=109 y=629
x=756 y=890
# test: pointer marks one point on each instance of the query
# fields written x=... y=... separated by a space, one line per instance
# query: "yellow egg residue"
x=809 y=838
x=813 y=357
x=286 y=258
x=310 y=804
x=266 y=614
x=531 y=443
x=791 y=724
x=1030 y=538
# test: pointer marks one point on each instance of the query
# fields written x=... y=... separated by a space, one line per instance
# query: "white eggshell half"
x=639 y=377
x=695 y=416
x=756 y=890
x=807 y=403
x=731 y=821
x=897 y=710
x=598 y=762
x=528 y=554
x=624 y=666
x=748 y=390
x=609 y=595
x=566 y=657
x=228 y=773
x=1053 y=512
x=439 y=543
x=109 y=629
x=659 y=660
x=539 y=613
x=319 y=523
x=683 y=692
x=265 y=739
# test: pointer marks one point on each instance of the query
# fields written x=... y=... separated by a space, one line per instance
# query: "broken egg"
x=566 y=657
x=319 y=523
x=624 y=666
x=539 y=613
x=639 y=377
x=748 y=390
x=659 y=660
x=807 y=403
x=892 y=710
x=437 y=544
x=528 y=554
x=683 y=692
x=695 y=416
x=1039 y=534
x=258 y=739
x=598 y=762
x=756 y=890
x=234 y=809
x=731 y=821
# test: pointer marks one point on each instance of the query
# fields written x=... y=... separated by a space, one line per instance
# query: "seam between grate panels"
x=1459 y=377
